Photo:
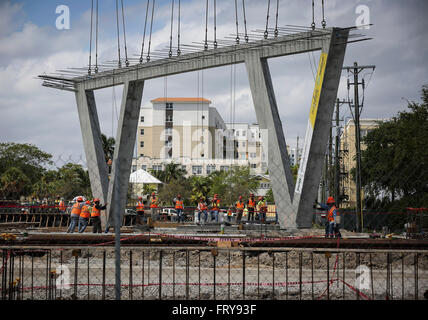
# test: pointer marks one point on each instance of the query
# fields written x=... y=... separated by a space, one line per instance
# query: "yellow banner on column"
x=317 y=90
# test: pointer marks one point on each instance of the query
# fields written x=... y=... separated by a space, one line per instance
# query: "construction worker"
x=332 y=224
x=202 y=208
x=140 y=210
x=96 y=215
x=179 y=207
x=215 y=204
x=154 y=206
x=251 y=205
x=262 y=208
x=239 y=206
x=62 y=206
x=57 y=203
x=85 y=214
x=229 y=214
x=75 y=214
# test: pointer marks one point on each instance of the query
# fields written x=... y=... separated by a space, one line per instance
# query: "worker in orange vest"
x=179 y=207
x=96 y=215
x=85 y=214
x=202 y=208
x=239 y=206
x=333 y=219
x=62 y=206
x=251 y=205
x=154 y=206
x=215 y=208
x=75 y=214
x=140 y=210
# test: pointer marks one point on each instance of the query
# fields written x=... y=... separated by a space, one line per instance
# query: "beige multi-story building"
x=348 y=153
x=191 y=133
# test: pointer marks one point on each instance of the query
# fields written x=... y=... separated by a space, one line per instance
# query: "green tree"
x=108 y=146
x=72 y=181
x=172 y=171
x=394 y=165
x=14 y=183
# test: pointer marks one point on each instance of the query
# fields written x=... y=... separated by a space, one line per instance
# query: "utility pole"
x=355 y=70
x=337 y=154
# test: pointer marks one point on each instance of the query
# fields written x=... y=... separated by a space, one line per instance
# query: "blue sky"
x=31 y=45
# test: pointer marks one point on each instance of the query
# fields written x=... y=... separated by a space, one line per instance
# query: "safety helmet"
x=240 y=197
x=330 y=200
x=140 y=198
x=153 y=193
x=79 y=199
x=88 y=202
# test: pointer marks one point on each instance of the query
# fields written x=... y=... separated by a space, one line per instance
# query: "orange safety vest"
x=62 y=206
x=85 y=212
x=95 y=212
x=153 y=202
x=179 y=204
x=229 y=212
x=76 y=209
x=239 y=205
x=203 y=206
x=251 y=203
x=140 y=206
x=330 y=216
x=216 y=203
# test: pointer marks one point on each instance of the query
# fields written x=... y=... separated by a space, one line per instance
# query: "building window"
x=196 y=170
x=168 y=118
x=141 y=154
x=169 y=106
x=237 y=133
x=142 y=132
x=253 y=155
x=253 y=165
x=134 y=168
x=141 y=119
x=224 y=168
x=168 y=131
x=144 y=167
x=253 y=135
x=210 y=168
x=168 y=143
x=243 y=144
x=157 y=167
x=142 y=144
x=242 y=155
x=244 y=133
x=183 y=167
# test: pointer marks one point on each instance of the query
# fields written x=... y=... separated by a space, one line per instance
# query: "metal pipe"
x=104 y=276
x=130 y=275
x=160 y=274
x=243 y=274
x=300 y=275
x=142 y=275
x=273 y=275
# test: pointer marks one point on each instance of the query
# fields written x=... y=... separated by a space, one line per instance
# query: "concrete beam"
x=269 y=120
x=269 y=48
x=124 y=148
x=91 y=134
x=318 y=131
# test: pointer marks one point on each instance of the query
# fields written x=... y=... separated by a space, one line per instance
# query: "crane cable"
x=276 y=19
x=313 y=15
x=144 y=32
x=245 y=21
x=170 y=36
x=178 y=35
x=206 y=27
x=267 y=21
x=151 y=27
x=124 y=36
x=118 y=34
x=236 y=21
x=96 y=40
x=323 y=23
x=215 y=24
x=90 y=38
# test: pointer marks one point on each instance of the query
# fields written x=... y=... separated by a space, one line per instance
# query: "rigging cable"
x=236 y=21
x=178 y=37
x=267 y=20
x=96 y=39
x=313 y=15
x=276 y=18
x=90 y=38
x=323 y=23
x=118 y=34
x=215 y=24
x=206 y=27
x=245 y=21
x=124 y=35
x=151 y=27
x=144 y=33
x=170 y=36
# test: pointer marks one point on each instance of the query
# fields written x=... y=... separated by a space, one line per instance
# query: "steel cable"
x=144 y=32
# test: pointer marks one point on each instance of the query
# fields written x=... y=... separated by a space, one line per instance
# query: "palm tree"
x=108 y=146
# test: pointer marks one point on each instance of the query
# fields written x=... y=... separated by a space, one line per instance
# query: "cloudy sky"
x=30 y=44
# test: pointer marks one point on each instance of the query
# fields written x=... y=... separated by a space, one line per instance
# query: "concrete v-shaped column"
x=124 y=148
x=294 y=207
x=269 y=120
x=91 y=134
